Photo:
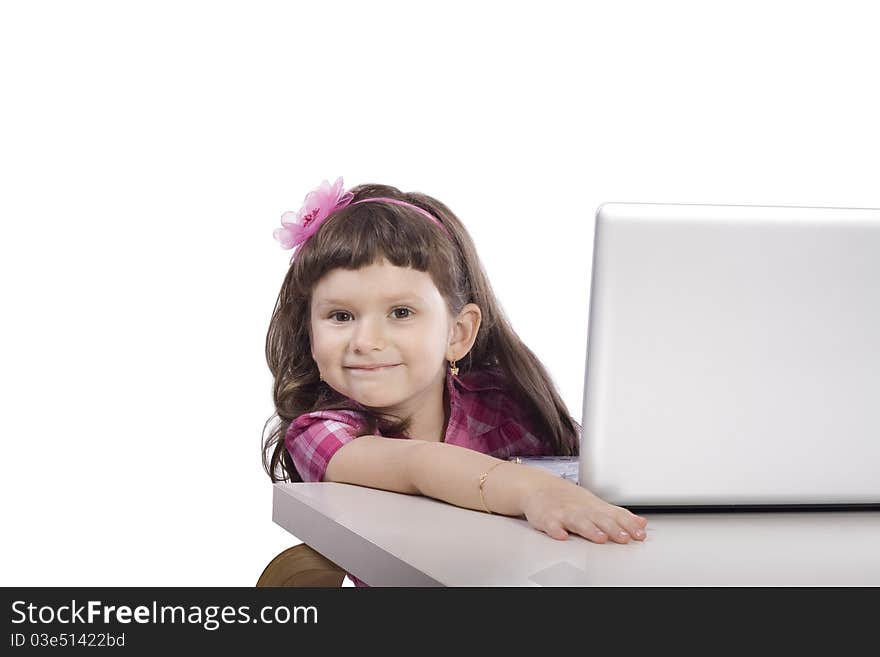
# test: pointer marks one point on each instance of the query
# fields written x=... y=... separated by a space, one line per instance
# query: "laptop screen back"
x=733 y=356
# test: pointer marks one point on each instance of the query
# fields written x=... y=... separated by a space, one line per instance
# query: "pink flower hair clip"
x=320 y=203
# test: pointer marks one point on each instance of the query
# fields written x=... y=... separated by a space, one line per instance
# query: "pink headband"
x=319 y=204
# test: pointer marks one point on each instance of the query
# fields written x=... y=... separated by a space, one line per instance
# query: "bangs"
x=362 y=235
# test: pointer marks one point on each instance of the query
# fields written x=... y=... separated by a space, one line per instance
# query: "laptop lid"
x=733 y=356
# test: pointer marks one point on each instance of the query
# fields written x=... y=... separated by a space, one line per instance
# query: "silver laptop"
x=733 y=357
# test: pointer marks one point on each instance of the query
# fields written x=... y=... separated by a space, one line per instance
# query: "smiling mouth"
x=372 y=369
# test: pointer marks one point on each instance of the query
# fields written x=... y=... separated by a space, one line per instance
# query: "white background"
x=148 y=149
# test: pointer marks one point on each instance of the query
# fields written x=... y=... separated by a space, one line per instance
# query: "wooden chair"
x=301 y=566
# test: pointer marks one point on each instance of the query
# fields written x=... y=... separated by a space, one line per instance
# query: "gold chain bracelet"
x=486 y=474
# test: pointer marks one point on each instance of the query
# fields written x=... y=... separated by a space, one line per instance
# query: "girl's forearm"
x=452 y=474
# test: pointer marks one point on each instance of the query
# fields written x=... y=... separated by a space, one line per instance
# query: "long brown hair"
x=358 y=236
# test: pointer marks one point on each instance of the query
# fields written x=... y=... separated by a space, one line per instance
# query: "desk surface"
x=389 y=539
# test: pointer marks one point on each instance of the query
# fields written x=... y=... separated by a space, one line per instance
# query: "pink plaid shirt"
x=481 y=417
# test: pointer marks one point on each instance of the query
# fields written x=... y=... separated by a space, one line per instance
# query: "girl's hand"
x=559 y=506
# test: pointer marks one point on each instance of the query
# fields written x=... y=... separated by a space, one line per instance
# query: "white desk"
x=389 y=539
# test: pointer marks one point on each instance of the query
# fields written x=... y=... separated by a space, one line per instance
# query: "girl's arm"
x=452 y=474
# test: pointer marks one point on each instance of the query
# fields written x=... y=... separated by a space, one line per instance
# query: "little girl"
x=383 y=298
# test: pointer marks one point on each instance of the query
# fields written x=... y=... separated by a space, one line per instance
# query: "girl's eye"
x=407 y=311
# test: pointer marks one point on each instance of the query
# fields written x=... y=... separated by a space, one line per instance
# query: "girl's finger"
x=615 y=532
x=589 y=531
x=554 y=529
x=633 y=525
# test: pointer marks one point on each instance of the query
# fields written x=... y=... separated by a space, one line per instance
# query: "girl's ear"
x=464 y=331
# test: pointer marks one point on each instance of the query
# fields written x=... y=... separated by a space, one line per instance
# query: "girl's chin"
x=375 y=401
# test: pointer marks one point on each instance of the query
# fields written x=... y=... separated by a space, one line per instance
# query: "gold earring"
x=320 y=376
x=453 y=368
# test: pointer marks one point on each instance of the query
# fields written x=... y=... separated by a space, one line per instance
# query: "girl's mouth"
x=380 y=368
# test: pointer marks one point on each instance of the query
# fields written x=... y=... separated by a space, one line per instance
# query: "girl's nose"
x=368 y=336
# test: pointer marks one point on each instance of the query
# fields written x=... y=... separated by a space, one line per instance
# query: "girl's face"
x=381 y=315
